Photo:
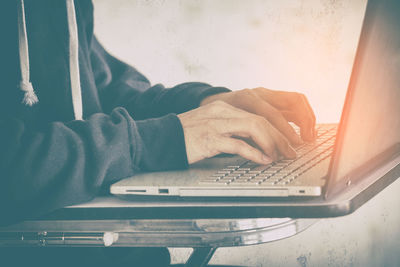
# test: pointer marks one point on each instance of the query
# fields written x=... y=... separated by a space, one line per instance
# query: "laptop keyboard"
x=281 y=172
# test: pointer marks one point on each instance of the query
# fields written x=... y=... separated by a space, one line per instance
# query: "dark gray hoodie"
x=73 y=118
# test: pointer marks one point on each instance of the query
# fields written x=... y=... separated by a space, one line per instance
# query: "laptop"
x=367 y=138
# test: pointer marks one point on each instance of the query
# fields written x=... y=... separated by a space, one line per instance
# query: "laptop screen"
x=370 y=123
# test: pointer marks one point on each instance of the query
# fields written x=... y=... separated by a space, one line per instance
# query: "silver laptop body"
x=367 y=136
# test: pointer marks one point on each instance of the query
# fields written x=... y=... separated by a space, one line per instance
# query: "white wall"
x=302 y=45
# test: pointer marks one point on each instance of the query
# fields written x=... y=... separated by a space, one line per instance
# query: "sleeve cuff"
x=163 y=144
x=208 y=92
x=194 y=94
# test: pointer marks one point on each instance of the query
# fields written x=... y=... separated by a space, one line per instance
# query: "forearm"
x=65 y=164
x=121 y=85
x=158 y=101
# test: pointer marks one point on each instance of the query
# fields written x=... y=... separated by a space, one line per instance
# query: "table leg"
x=200 y=257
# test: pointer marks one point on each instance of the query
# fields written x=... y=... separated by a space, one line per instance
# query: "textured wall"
x=306 y=46
x=302 y=45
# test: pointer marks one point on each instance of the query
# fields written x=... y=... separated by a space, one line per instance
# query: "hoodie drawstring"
x=74 y=60
x=30 y=97
x=25 y=85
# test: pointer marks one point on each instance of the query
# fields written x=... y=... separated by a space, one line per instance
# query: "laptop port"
x=163 y=191
x=136 y=190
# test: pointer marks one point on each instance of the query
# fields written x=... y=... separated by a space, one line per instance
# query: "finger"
x=302 y=115
x=267 y=138
x=306 y=131
x=248 y=127
x=239 y=147
x=280 y=143
x=311 y=117
x=292 y=102
x=279 y=99
x=275 y=117
x=283 y=144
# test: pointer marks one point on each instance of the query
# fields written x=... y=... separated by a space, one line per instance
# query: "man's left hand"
x=278 y=107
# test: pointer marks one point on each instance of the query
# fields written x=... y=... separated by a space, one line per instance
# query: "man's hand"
x=277 y=107
x=214 y=128
x=259 y=115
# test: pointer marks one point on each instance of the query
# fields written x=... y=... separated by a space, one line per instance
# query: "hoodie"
x=73 y=118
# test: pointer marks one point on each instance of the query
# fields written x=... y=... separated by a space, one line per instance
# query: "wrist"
x=212 y=98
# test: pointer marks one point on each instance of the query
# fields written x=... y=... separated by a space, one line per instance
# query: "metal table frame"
x=203 y=235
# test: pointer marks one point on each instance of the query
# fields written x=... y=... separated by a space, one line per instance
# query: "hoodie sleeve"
x=68 y=163
x=122 y=85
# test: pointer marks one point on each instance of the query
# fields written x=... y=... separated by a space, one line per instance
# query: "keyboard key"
x=261 y=168
x=279 y=176
x=263 y=176
x=281 y=164
x=231 y=176
x=210 y=181
x=239 y=172
x=243 y=179
x=254 y=172
x=282 y=183
x=267 y=183
x=233 y=167
x=247 y=175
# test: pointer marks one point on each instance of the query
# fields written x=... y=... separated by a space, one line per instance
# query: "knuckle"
x=265 y=91
x=313 y=118
x=270 y=150
x=263 y=121
x=217 y=106
x=307 y=121
x=210 y=150
x=247 y=93
x=218 y=103
x=273 y=112
x=209 y=124
x=258 y=123
x=297 y=97
x=240 y=146
x=279 y=139
x=300 y=95
x=284 y=143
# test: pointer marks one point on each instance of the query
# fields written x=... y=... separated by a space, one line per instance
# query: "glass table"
x=203 y=235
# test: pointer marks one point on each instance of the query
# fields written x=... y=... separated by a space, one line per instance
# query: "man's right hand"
x=218 y=128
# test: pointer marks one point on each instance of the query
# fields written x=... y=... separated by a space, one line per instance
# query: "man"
x=74 y=119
